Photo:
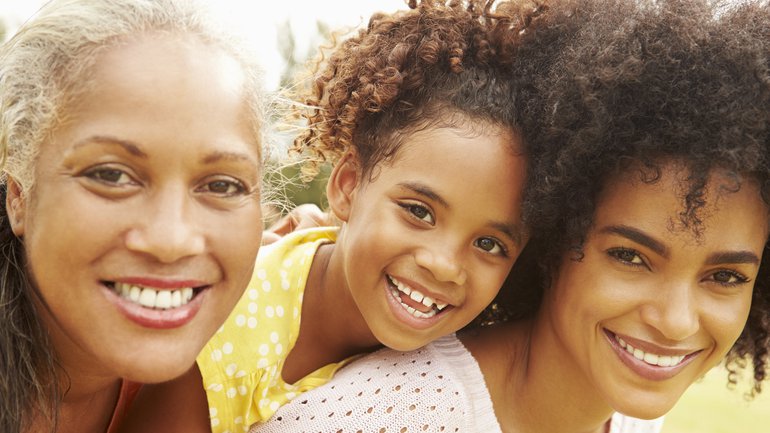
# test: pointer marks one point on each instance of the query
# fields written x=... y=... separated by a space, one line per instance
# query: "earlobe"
x=15 y=206
x=341 y=188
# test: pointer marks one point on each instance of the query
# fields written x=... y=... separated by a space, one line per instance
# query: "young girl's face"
x=651 y=307
x=144 y=223
x=431 y=235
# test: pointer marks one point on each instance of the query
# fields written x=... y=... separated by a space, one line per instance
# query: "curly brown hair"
x=646 y=82
x=438 y=63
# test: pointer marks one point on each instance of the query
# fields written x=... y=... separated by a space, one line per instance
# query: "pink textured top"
x=438 y=388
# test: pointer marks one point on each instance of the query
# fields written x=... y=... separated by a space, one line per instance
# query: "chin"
x=156 y=372
x=160 y=361
x=402 y=344
x=644 y=410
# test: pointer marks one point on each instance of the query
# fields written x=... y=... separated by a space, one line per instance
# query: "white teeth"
x=416 y=296
x=154 y=298
x=650 y=358
x=163 y=300
x=147 y=298
x=411 y=310
x=176 y=298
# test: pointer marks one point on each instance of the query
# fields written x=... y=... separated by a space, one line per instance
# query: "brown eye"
x=420 y=212
x=109 y=176
x=224 y=187
x=626 y=255
x=490 y=245
x=729 y=278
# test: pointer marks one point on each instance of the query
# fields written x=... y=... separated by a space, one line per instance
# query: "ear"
x=15 y=206
x=343 y=182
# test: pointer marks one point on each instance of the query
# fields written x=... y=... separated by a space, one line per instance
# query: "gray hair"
x=46 y=65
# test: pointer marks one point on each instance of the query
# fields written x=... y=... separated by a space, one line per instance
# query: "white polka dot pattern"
x=241 y=364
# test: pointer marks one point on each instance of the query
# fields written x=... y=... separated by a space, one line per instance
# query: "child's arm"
x=176 y=406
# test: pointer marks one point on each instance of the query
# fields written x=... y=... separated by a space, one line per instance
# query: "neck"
x=537 y=389
x=89 y=393
x=332 y=327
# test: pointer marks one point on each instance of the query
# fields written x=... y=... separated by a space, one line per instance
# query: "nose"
x=674 y=313
x=167 y=228
x=444 y=262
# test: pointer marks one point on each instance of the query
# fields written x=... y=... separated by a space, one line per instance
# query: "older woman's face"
x=144 y=222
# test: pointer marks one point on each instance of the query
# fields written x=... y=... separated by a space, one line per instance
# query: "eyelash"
x=240 y=188
x=616 y=252
x=411 y=207
x=98 y=174
x=740 y=278
x=503 y=250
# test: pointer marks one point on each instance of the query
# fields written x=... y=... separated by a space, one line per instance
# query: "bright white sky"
x=262 y=19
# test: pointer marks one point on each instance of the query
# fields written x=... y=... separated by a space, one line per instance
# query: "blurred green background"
x=709 y=407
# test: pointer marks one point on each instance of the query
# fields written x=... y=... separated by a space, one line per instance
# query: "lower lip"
x=401 y=314
x=156 y=319
x=643 y=369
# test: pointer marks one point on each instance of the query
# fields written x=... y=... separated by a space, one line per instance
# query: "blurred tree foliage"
x=284 y=182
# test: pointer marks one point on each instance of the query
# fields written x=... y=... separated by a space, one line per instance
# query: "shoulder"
x=497 y=348
x=425 y=387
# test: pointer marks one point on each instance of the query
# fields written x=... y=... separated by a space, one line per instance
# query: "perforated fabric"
x=438 y=388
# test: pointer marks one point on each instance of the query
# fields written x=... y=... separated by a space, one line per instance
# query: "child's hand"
x=301 y=217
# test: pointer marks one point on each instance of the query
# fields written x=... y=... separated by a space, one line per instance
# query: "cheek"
x=236 y=238
x=487 y=284
x=725 y=320
x=66 y=237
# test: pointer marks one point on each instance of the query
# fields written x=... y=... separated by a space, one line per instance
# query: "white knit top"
x=438 y=388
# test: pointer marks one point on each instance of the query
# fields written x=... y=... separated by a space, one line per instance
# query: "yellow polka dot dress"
x=241 y=365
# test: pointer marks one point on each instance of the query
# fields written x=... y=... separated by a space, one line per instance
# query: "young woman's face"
x=432 y=234
x=651 y=307
x=143 y=227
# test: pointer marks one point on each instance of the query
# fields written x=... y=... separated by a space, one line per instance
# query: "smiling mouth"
x=152 y=297
x=426 y=307
x=650 y=358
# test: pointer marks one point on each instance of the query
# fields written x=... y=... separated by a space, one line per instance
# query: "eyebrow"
x=513 y=231
x=128 y=146
x=425 y=191
x=134 y=149
x=227 y=156
x=639 y=237
x=734 y=257
x=717 y=258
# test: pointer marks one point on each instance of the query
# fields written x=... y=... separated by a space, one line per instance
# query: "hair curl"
x=640 y=83
x=439 y=63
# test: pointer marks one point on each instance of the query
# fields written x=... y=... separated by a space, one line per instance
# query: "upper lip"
x=648 y=347
x=161 y=282
x=437 y=297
